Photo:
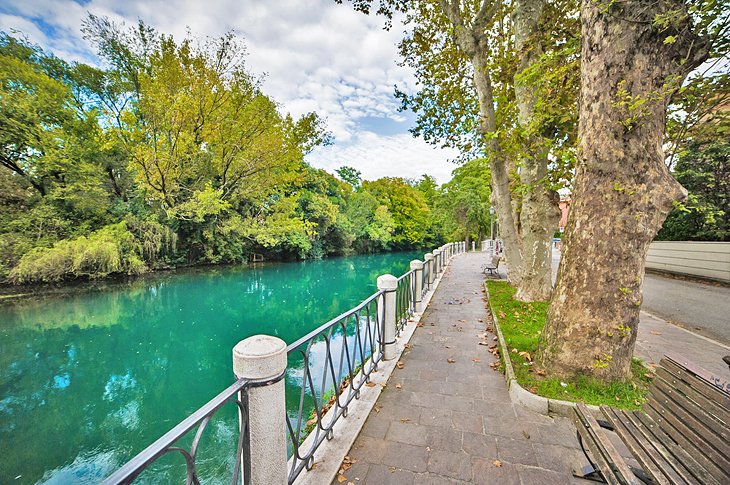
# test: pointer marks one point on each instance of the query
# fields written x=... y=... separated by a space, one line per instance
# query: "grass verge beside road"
x=521 y=324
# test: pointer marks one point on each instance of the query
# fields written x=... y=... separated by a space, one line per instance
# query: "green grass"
x=521 y=324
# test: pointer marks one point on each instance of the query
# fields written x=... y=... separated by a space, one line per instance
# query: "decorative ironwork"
x=236 y=393
x=333 y=362
x=405 y=304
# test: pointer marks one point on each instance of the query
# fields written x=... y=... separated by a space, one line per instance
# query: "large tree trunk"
x=623 y=190
x=471 y=37
x=539 y=214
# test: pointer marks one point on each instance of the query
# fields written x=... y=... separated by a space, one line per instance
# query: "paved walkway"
x=439 y=422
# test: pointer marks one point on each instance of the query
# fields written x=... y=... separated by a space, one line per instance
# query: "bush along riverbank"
x=521 y=324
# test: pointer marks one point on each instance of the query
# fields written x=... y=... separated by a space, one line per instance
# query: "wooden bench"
x=681 y=436
x=493 y=265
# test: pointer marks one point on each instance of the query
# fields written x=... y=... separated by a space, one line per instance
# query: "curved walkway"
x=446 y=417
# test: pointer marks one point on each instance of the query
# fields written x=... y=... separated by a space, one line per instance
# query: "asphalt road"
x=703 y=308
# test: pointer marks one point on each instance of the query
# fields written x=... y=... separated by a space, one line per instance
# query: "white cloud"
x=317 y=56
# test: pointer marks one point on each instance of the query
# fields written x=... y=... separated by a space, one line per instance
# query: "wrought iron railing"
x=170 y=442
x=348 y=349
x=330 y=365
x=405 y=302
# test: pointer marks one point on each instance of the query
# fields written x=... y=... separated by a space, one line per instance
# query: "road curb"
x=519 y=394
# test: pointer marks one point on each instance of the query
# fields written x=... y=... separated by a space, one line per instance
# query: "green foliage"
x=521 y=324
x=705 y=216
x=463 y=203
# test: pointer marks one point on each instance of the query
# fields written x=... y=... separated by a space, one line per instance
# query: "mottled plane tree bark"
x=635 y=55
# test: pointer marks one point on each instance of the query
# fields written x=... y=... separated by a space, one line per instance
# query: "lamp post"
x=491 y=223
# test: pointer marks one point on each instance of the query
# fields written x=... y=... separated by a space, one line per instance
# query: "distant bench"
x=681 y=436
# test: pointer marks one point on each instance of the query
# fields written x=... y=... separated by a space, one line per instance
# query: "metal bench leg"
x=590 y=471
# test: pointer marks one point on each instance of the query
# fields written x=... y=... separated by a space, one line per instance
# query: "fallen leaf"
x=420 y=324
x=400 y=364
x=495 y=338
x=483 y=343
x=408 y=346
x=450 y=360
x=540 y=372
x=514 y=351
x=476 y=360
x=618 y=398
x=405 y=420
x=497 y=463
x=341 y=478
x=398 y=386
x=377 y=408
x=525 y=434
x=654 y=332
x=370 y=384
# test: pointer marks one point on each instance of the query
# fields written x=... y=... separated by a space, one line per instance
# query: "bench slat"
x=684 y=439
x=712 y=408
x=714 y=388
x=647 y=454
x=699 y=434
x=682 y=462
x=707 y=424
x=609 y=460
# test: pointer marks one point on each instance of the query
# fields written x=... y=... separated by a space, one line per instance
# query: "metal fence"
x=405 y=300
x=330 y=365
x=352 y=344
x=237 y=394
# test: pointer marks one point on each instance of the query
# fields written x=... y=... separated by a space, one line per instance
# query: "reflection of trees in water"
x=102 y=374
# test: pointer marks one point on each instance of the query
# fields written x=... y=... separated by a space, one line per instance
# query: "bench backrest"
x=692 y=409
x=495 y=260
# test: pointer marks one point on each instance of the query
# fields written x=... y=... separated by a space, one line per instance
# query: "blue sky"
x=317 y=56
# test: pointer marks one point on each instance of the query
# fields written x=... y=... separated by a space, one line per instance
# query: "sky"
x=316 y=55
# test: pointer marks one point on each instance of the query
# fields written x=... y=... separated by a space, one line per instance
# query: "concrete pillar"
x=263 y=357
x=417 y=267
x=429 y=261
x=437 y=261
x=388 y=284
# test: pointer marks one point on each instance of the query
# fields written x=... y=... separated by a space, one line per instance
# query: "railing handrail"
x=130 y=470
x=298 y=343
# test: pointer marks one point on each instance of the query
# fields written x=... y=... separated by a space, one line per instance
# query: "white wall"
x=705 y=259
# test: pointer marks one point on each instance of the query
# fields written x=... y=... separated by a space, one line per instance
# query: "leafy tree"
x=407 y=206
x=350 y=175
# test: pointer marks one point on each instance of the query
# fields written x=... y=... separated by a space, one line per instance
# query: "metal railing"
x=405 y=300
x=330 y=365
x=353 y=346
x=236 y=393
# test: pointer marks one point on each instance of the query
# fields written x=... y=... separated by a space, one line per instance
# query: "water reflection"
x=90 y=378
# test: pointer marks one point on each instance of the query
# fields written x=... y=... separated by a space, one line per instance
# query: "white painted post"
x=417 y=267
x=437 y=261
x=473 y=247
x=429 y=261
x=388 y=284
x=263 y=357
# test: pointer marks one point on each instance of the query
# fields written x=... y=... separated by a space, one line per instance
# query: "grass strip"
x=521 y=324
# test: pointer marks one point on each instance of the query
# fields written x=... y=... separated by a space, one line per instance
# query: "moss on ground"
x=521 y=324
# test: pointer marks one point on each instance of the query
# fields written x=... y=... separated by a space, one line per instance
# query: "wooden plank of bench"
x=698 y=409
x=720 y=414
x=684 y=464
x=676 y=432
x=713 y=387
x=704 y=439
x=648 y=455
x=615 y=471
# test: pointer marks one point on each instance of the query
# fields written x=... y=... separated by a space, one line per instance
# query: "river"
x=91 y=377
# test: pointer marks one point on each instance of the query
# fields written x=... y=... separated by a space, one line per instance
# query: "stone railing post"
x=388 y=284
x=473 y=246
x=263 y=357
x=417 y=268
x=437 y=261
x=429 y=261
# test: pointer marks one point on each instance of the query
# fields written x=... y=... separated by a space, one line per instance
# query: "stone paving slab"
x=438 y=422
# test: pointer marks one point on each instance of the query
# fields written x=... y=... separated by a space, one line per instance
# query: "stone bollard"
x=437 y=261
x=417 y=267
x=388 y=284
x=429 y=262
x=473 y=246
x=262 y=358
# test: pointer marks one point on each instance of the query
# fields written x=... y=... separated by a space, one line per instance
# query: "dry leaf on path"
x=341 y=478
x=398 y=386
x=400 y=364
x=476 y=360
x=654 y=332
x=370 y=384
x=450 y=360
x=497 y=463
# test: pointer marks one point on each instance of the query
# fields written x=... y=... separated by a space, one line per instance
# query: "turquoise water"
x=88 y=379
